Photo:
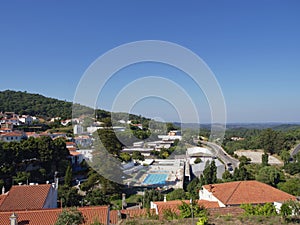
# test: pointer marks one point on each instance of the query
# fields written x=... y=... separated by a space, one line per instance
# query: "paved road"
x=219 y=152
x=295 y=150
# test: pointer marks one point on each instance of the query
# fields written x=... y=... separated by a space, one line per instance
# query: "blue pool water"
x=155 y=179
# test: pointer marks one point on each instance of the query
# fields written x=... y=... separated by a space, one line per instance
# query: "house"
x=83 y=141
x=12 y=136
x=143 y=151
x=174 y=133
x=29 y=197
x=78 y=129
x=86 y=153
x=161 y=206
x=243 y=192
x=76 y=158
x=70 y=145
x=26 y=119
x=49 y=216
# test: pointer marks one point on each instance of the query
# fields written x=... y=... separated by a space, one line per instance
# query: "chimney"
x=124 y=201
x=165 y=198
x=56 y=179
x=3 y=190
x=13 y=219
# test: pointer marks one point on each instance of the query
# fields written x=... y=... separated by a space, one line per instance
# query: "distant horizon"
x=204 y=123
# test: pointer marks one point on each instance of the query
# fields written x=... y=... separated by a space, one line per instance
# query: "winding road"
x=219 y=152
x=295 y=150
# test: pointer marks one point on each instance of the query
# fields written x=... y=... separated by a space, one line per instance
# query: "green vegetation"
x=70 y=217
x=44 y=155
x=267 y=209
x=177 y=194
x=34 y=105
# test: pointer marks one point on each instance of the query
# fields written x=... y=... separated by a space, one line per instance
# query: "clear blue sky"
x=253 y=48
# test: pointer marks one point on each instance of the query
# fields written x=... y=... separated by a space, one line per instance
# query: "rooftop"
x=49 y=216
x=24 y=197
x=254 y=192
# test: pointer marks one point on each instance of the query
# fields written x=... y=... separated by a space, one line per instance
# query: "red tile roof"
x=49 y=216
x=2 y=198
x=254 y=192
x=133 y=213
x=72 y=149
x=12 y=134
x=74 y=153
x=173 y=205
x=25 y=197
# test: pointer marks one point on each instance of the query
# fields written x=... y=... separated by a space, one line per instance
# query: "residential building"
x=49 y=216
x=26 y=119
x=242 y=192
x=29 y=197
x=78 y=129
x=12 y=136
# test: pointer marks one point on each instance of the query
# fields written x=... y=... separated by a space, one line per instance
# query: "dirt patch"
x=255 y=156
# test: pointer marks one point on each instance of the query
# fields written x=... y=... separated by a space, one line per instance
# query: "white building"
x=78 y=129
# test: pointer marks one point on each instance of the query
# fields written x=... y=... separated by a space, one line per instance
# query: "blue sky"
x=252 y=47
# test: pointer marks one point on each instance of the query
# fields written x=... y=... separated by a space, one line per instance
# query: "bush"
x=267 y=209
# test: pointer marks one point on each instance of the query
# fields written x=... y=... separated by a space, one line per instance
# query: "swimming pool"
x=156 y=178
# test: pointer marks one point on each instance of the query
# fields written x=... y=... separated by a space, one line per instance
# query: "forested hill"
x=34 y=104
x=41 y=106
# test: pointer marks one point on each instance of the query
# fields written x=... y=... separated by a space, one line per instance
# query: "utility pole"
x=191 y=203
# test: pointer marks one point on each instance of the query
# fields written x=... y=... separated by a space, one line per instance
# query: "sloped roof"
x=254 y=192
x=25 y=197
x=173 y=205
x=133 y=213
x=2 y=198
x=198 y=151
x=49 y=216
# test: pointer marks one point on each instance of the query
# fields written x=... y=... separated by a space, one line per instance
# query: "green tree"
x=177 y=194
x=96 y=197
x=271 y=141
x=227 y=176
x=187 y=210
x=267 y=209
x=138 y=156
x=269 y=175
x=152 y=195
x=193 y=188
x=291 y=186
x=210 y=173
x=285 y=156
x=68 y=176
x=70 y=216
x=124 y=156
x=21 y=177
x=69 y=196
x=264 y=159
x=198 y=160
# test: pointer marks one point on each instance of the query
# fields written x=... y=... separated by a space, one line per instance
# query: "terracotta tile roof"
x=72 y=149
x=74 y=153
x=25 y=197
x=2 y=198
x=239 y=192
x=70 y=143
x=133 y=213
x=12 y=134
x=49 y=216
x=173 y=205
